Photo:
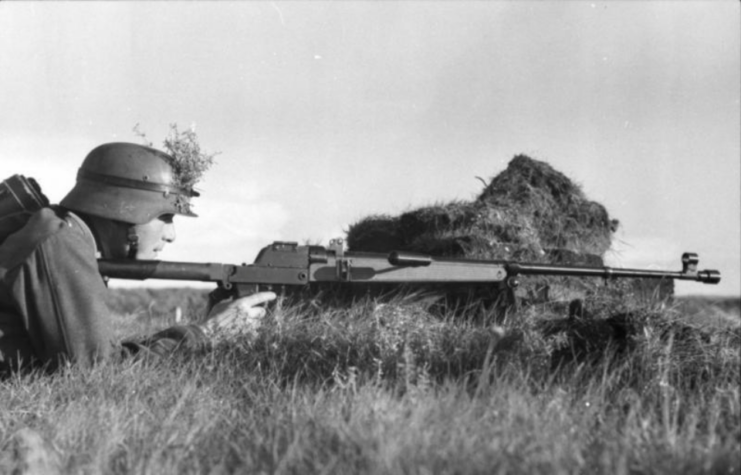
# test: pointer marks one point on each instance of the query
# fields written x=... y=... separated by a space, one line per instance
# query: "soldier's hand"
x=242 y=316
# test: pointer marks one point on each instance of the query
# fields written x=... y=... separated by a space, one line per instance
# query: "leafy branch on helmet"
x=188 y=161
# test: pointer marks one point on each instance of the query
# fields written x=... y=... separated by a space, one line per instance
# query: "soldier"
x=52 y=297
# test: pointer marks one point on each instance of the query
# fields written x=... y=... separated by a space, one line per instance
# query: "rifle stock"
x=288 y=264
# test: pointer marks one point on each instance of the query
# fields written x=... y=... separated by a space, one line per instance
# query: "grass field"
x=384 y=388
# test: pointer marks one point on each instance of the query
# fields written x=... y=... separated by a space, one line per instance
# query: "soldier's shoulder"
x=41 y=225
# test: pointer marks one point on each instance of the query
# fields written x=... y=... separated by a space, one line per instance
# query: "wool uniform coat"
x=53 y=300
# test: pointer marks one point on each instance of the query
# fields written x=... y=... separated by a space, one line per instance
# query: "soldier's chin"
x=147 y=255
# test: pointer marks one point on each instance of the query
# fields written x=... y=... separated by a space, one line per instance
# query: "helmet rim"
x=130 y=183
x=130 y=205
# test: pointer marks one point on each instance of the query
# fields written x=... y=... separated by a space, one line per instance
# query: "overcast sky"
x=326 y=112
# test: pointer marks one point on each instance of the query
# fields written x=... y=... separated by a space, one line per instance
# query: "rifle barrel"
x=706 y=276
x=141 y=270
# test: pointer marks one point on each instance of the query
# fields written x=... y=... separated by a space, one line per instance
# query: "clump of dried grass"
x=551 y=210
x=377 y=233
x=530 y=211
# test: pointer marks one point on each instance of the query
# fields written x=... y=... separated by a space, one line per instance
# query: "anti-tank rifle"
x=289 y=264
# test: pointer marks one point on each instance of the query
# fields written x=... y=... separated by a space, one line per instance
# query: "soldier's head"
x=129 y=195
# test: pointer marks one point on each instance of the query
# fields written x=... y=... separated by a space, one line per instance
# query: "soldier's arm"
x=61 y=299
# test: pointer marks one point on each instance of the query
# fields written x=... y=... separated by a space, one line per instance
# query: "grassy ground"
x=386 y=388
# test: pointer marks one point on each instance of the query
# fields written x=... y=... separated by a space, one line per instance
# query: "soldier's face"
x=154 y=235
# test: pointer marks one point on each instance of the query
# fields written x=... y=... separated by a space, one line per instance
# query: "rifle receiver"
x=407 y=259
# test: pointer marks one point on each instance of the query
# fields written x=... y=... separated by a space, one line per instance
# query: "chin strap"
x=133 y=242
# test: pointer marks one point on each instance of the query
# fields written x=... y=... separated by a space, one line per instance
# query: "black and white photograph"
x=358 y=237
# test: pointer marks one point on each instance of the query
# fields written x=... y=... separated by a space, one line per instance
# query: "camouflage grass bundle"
x=378 y=233
x=530 y=212
x=554 y=207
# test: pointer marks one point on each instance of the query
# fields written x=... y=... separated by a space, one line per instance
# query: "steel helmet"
x=130 y=183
